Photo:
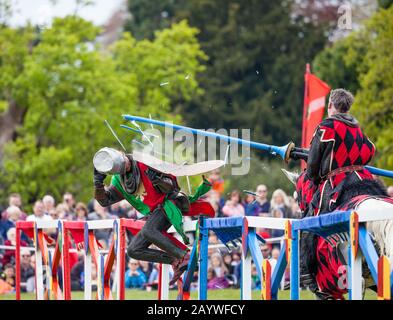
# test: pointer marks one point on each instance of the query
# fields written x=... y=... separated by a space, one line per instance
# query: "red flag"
x=315 y=93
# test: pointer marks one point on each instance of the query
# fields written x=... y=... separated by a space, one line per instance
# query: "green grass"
x=223 y=294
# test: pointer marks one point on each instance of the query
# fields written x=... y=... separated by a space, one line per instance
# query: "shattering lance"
x=283 y=151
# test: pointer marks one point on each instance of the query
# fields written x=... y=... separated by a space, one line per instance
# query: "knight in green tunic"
x=157 y=196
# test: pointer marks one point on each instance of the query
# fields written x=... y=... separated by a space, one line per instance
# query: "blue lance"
x=283 y=151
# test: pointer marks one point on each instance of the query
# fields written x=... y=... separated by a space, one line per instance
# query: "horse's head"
x=304 y=188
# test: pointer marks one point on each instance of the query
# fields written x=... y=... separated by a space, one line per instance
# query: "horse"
x=330 y=259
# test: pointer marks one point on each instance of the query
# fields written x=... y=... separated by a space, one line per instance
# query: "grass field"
x=224 y=294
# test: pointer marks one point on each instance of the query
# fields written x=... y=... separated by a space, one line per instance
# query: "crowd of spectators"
x=224 y=265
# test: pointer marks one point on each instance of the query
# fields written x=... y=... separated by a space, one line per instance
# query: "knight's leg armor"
x=151 y=233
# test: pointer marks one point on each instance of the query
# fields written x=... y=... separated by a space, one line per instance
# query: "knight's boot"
x=319 y=295
x=179 y=266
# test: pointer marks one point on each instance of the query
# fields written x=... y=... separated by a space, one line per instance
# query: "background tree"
x=57 y=87
x=373 y=106
x=363 y=63
x=257 y=54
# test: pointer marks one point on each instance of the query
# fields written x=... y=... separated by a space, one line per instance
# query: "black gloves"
x=153 y=175
x=181 y=200
x=98 y=178
x=299 y=153
x=162 y=182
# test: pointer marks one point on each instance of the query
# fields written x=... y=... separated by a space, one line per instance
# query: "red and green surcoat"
x=152 y=198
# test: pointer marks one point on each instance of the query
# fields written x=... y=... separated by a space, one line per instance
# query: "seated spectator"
x=212 y=240
x=266 y=251
x=61 y=212
x=39 y=213
x=69 y=203
x=76 y=274
x=275 y=253
x=8 y=275
x=49 y=203
x=217 y=263
x=27 y=273
x=15 y=199
x=213 y=197
x=13 y=215
x=128 y=210
x=146 y=267
x=249 y=205
x=134 y=277
x=9 y=255
x=228 y=263
x=116 y=210
x=262 y=202
x=217 y=181
x=279 y=207
x=214 y=282
x=5 y=287
x=296 y=213
x=255 y=282
x=280 y=204
x=233 y=207
x=53 y=214
x=81 y=212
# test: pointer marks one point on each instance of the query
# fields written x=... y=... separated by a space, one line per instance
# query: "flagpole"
x=305 y=106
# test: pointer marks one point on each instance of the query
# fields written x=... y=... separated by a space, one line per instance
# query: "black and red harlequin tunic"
x=338 y=152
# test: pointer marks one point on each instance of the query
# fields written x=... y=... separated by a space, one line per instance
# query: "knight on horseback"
x=336 y=158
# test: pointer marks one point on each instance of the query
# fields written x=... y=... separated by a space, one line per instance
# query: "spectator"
x=49 y=203
x=213 y=197
x=134 y=277
x=9 y=254
x=7 y=279
x=260 y=205
x=81 y=212
x=13 y=215
x=27 y=273
x=76 y=274
x=275 y=253
x=9 y=274
x=217 y=263
x=262 y=200
x=215 y=282
x=249 y=204
x=128 y=210
x=53 y=214
x=255 y=282
x=146 y=267
x=233 y=207
x=228 y=263
x=266 y=252
x=279 y=205
x=116 y=210
x=390 y=191
x=216 y=181
x=296 y=213
x=69 y=202
x=101 y=213
x=39 y=213
x=14 y=199
x=61 y=212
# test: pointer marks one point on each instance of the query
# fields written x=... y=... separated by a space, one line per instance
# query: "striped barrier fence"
x=326 y=225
